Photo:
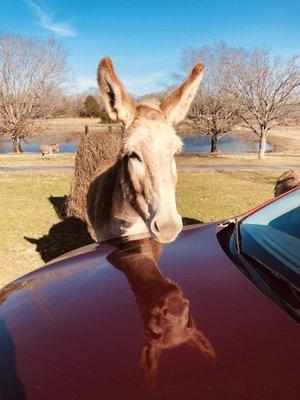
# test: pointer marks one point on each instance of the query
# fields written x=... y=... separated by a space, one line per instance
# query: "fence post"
x=86 y=129
x=110 y=129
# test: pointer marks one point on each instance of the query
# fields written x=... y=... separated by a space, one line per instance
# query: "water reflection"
x=227 y=144
x=164 y=308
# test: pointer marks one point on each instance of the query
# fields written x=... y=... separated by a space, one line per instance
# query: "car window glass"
x=272 y=234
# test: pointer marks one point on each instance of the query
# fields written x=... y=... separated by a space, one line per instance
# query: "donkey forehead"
x=152 y=136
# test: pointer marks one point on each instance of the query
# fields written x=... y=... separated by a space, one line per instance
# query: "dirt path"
x=187 y=167
x=37 y=168
x=236 y=166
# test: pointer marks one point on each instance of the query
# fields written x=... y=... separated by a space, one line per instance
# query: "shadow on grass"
x=190 y=221
x=67 y=235
x=70 y=233
x=60 y=205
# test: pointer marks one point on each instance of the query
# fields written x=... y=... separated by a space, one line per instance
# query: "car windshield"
x=271 y=236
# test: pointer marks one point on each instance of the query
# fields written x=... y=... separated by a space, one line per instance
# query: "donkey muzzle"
x=165 y=230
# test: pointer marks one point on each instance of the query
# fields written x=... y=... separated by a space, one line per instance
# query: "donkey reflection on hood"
x=164 y=309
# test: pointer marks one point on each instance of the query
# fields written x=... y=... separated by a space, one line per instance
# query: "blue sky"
x=145 y=38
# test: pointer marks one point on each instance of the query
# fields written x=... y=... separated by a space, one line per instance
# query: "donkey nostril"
x=155 y=226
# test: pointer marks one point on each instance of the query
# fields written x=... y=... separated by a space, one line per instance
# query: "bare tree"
x=33 y=73
x=213 y=111
x=213 y=114
x=266 y=88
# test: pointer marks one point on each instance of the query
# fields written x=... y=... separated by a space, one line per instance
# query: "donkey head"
x=150 y=143
x=169 y=324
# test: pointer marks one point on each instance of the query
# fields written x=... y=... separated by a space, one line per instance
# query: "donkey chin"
x=165 y=229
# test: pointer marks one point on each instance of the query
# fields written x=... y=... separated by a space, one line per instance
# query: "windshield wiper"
x=236 y=230
x=237 y=235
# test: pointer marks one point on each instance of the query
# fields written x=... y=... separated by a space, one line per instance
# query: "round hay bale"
x=96 y=151
x=287 y=181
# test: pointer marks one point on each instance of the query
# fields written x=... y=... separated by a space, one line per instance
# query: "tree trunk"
x=17 y=145
x=262 y=145
x=214 y=141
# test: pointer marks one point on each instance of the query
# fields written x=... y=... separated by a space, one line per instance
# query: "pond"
x=197 y=144
x=32 y=145
x=226 y=144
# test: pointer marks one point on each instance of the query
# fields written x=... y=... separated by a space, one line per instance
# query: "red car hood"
x=74 y=330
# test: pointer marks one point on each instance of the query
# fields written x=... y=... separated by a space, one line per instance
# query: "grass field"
x=74 y=122
x=27 y=212
x=34 y=159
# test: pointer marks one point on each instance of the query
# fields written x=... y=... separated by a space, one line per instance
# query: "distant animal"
x=136 y=194
x=287 y=181
x=48 y=149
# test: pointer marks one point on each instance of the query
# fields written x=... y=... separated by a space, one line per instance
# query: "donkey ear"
x=149 y=362
x=118 y=104
x=176 y=105
x=200 y=342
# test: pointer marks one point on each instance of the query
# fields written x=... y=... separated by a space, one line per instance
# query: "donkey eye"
x=154 y=335
x=135 y=156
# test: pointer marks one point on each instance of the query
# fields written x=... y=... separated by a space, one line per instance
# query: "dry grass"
x=75 y=122
x=34 y=159
x=286 y=141
x=62 y=126
x=60 y=129
x=27 y=212
x=61 y=159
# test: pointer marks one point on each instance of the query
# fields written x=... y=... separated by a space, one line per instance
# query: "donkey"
x=48 y=149
x=137 y=194
x=163 y=307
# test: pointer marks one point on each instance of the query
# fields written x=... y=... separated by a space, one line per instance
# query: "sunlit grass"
x=214 y=195
x=26 y=210
x=35 y=159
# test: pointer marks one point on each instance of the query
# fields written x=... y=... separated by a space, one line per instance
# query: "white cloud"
x=47 y=21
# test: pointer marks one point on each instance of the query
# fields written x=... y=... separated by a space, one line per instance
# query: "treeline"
x=34 y=82
x=241 y=88
x=87 y=104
